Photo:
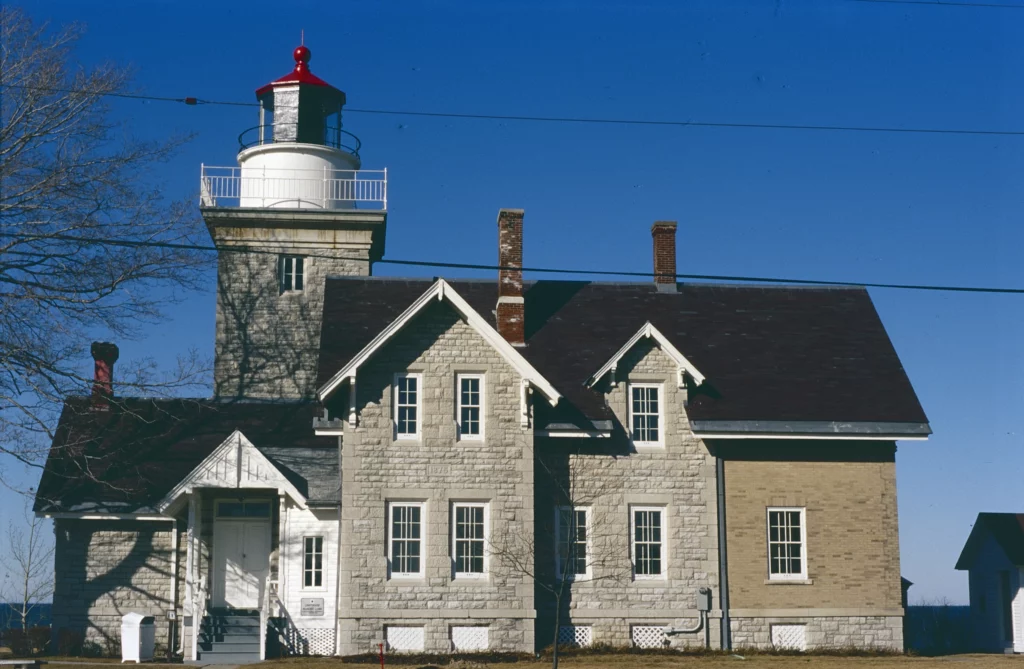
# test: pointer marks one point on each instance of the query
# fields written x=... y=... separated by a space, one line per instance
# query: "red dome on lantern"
x=299 y=75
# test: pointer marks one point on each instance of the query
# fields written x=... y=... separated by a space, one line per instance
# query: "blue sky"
x=828 y=205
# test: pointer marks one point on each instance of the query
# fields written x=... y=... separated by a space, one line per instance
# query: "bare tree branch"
x=70 y=177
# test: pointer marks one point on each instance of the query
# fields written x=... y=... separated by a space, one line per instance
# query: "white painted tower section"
x=298 y=176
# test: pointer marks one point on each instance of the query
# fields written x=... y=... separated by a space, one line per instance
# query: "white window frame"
x=588 y=574
x=660 y=387
x=323 y=563
x=458 y=406
x=802 y=576
x=418 y=405
x=460 y=575
x=664 y=542
x=283 y=271
x=422 y=539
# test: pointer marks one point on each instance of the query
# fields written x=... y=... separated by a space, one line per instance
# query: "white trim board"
x=442 y=290
x=645 y=332
x=235 y=464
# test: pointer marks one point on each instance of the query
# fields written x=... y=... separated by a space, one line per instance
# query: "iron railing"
x=333 y=137
x=299 y=188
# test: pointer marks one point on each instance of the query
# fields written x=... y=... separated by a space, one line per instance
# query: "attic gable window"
x=407 y=405
x=645 y=414
x=291 y=273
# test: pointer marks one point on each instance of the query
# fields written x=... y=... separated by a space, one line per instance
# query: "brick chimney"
x=105 y=354
x=664 y=235
x=510 y=313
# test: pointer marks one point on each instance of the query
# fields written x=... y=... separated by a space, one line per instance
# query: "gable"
x=994 y=532
x=650 y=334
x=440 y=290
x=235 y=464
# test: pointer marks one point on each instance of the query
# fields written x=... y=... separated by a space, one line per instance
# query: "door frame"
x=267 y=522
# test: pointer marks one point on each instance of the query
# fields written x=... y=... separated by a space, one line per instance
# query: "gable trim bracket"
x=648 y=331
x=440 y=290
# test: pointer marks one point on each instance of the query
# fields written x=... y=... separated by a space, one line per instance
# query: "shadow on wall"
x=103 y=572
x=267 y=342
x=938 y=630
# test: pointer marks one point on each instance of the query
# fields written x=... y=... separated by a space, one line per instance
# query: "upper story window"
x=572 y=530
x=408 y=399
x=787 y=541
x=291 y=273
x=468 y=537
x=405 y=539
x=312 y=562
x=645 y=414
x=648 y=542
x=470 y=406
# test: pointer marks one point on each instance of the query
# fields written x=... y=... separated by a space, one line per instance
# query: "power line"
x=582 y=120
x=547 y=270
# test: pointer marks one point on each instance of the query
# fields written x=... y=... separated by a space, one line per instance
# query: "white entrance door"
x=241 y=556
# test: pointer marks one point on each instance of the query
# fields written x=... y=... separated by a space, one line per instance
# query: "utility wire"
x=576 y=119
x=547 y=270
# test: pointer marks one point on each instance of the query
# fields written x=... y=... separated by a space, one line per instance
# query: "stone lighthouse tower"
x=296 y=209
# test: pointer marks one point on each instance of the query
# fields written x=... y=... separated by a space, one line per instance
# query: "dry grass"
x=627 y=661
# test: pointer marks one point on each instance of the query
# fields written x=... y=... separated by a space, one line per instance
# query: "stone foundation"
x=868 y=632
x=505 y=635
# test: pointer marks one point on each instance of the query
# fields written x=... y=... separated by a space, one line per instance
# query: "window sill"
x=472 y=581
x=789 y=581
x=648 y=448
x=407 y=580
x=654 y=582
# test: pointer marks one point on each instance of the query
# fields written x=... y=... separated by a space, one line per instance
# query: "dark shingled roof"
x=131 y=456
x=768 y=353
x=1006 y=528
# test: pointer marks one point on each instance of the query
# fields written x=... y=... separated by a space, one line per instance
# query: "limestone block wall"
x=267 y=342
x=105 y=569
x=822 y=632
x=437 y=469
x=609 y=477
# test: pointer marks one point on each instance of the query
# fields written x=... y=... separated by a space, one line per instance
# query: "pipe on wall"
x=723 y=560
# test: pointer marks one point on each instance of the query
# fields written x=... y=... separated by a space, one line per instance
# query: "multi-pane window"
x=572 y=530
x=786 y=542
x=645 y=414
x=470 y=408
x=405 y=541
x=469 y=532
x=407 y=405
x=648 y=542
x=313 y=562
x=290 y=270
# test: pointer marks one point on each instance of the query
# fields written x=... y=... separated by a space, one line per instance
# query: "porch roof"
x=128 y=458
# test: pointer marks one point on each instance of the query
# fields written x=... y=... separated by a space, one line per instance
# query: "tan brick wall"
x=852 y=533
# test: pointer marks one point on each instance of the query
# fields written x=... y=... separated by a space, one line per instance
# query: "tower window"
x=291 y=272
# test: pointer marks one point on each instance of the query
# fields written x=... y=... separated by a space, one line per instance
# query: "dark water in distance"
x=40 y=616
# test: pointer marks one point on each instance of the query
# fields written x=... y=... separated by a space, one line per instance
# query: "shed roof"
x=1007 y=529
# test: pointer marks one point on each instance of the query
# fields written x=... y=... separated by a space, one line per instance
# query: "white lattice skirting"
x=648 y=636
x=575 y=636
x=404 y=639
x=789 y=637
x=469 y=639
x=316 y=641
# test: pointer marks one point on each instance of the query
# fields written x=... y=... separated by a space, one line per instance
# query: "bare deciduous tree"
x=79 y=214
x=573 y=539
x=27 y=565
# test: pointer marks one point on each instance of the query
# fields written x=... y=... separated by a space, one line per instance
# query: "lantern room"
x=297 y=156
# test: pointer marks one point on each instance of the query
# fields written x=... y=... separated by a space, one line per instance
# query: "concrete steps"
x=229 y=636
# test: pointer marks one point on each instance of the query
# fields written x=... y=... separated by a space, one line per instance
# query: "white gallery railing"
x=293 y=188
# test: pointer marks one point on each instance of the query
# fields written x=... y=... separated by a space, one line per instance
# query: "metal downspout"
x=723 y=560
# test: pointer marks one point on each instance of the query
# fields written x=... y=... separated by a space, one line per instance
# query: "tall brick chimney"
x=664 y=234
x=511 y=315
x=105 y=354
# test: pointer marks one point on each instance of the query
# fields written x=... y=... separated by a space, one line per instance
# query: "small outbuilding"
x=994 y=560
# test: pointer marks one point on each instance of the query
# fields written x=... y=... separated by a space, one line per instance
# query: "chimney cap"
x=664 y=225
x=507 y=210
x=105 y=351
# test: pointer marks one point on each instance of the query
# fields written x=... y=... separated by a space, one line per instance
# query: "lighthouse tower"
x=296 y=209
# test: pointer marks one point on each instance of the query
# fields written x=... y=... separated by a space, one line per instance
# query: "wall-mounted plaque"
x=311 y=607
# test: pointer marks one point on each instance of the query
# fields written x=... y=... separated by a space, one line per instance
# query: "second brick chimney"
x=664 y=235
x=105 y=354
x=510 y=313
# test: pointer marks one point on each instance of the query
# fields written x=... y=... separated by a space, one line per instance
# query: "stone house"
x=442 y=465
x=993 y=558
